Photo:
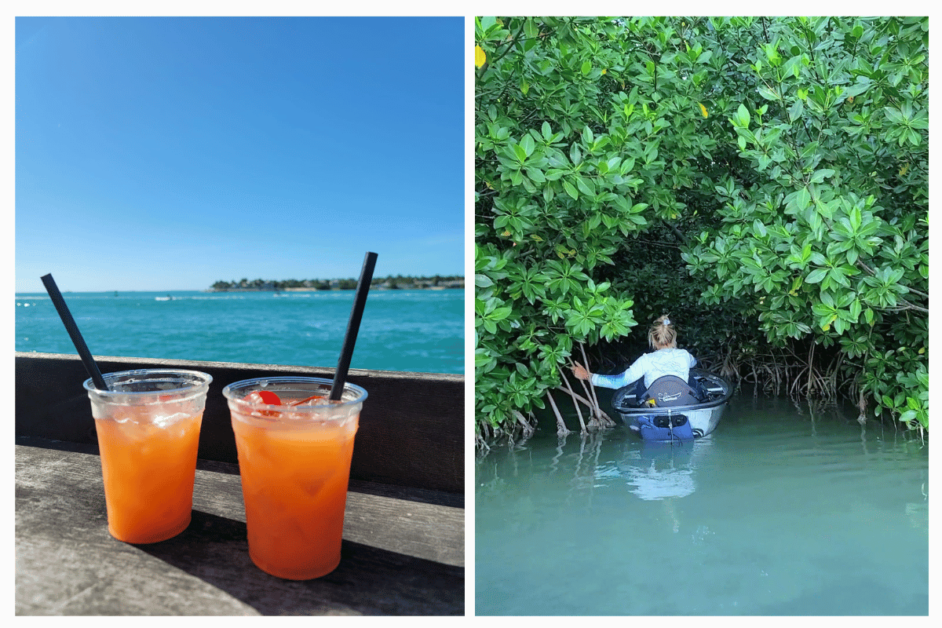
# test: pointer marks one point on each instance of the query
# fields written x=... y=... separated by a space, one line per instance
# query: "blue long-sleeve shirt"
x=651 y=366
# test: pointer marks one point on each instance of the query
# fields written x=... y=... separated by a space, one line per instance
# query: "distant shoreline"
x=398 y=282
x=43 y=295
x=435 y=282
x=461 y=287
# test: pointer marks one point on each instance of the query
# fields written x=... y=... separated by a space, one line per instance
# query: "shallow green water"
x=781 y=511
x=402 y=330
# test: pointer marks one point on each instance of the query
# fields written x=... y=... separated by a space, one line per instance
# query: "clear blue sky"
x=169 y=153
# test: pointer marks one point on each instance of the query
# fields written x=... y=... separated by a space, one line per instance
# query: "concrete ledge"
x=403 y=550
x=411 y=428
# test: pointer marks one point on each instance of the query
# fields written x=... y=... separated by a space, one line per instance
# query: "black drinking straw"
x=359 y=302
x=74 y=333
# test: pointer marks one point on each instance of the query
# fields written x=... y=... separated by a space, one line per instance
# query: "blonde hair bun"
x=662 y=335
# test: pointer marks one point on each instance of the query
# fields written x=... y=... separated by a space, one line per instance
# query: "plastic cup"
x=295 y=466
x=148 y=427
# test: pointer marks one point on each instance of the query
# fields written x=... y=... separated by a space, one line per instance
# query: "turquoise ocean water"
x=402 y=330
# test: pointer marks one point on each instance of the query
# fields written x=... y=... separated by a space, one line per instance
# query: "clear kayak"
x=671 y=409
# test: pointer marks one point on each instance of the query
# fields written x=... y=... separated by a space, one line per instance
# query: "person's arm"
x=693 y=360
x=634 y=372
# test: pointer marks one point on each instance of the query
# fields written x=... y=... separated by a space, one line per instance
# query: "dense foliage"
x=785 y=159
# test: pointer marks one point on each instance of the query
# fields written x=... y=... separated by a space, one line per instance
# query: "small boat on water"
x=670 y=409
x=166 y=298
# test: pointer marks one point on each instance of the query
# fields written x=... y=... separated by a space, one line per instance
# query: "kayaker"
x=666 y=359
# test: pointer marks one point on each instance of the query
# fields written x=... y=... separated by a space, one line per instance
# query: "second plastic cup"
x=294 y=461
x=148 y=427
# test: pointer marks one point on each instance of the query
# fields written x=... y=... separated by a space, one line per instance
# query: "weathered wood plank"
x=411 y=428
x=401 y=555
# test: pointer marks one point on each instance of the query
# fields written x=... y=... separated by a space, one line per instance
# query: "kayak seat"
x=669 y=391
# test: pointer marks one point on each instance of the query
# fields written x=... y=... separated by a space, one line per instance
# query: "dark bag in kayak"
x=669 y=391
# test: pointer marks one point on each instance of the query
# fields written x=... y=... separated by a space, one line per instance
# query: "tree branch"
x=579 y=397
x=561 y=429
x=575 y=405
x=676 y=231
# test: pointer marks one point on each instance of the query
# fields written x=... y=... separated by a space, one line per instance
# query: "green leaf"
x=821 y=175
x=585 y=186
x=855 y=308
x=795 y=111
x=816 y=276
x=575 y=153
x=528 y=144
x=482 y=281
x=520 y=152
x=766 y=93
x=893 y=114
x=500 y=313
x=571 y=191
x=742 y=115
x=840 y=326
x=586 y=67
x=855 y=219
x=530 y=28
x=536 y=175
x=803 y=199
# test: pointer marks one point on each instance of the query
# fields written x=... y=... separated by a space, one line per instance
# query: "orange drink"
x=148 y=426
x=294 y=450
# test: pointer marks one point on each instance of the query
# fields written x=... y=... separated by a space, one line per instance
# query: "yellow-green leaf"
x=703 y=110
x=480 y=58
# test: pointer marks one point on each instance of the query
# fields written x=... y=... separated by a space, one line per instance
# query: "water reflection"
x=595 y=471
x=662 y=470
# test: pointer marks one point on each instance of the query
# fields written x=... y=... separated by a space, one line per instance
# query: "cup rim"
x=229 y=393
x=203 y=380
